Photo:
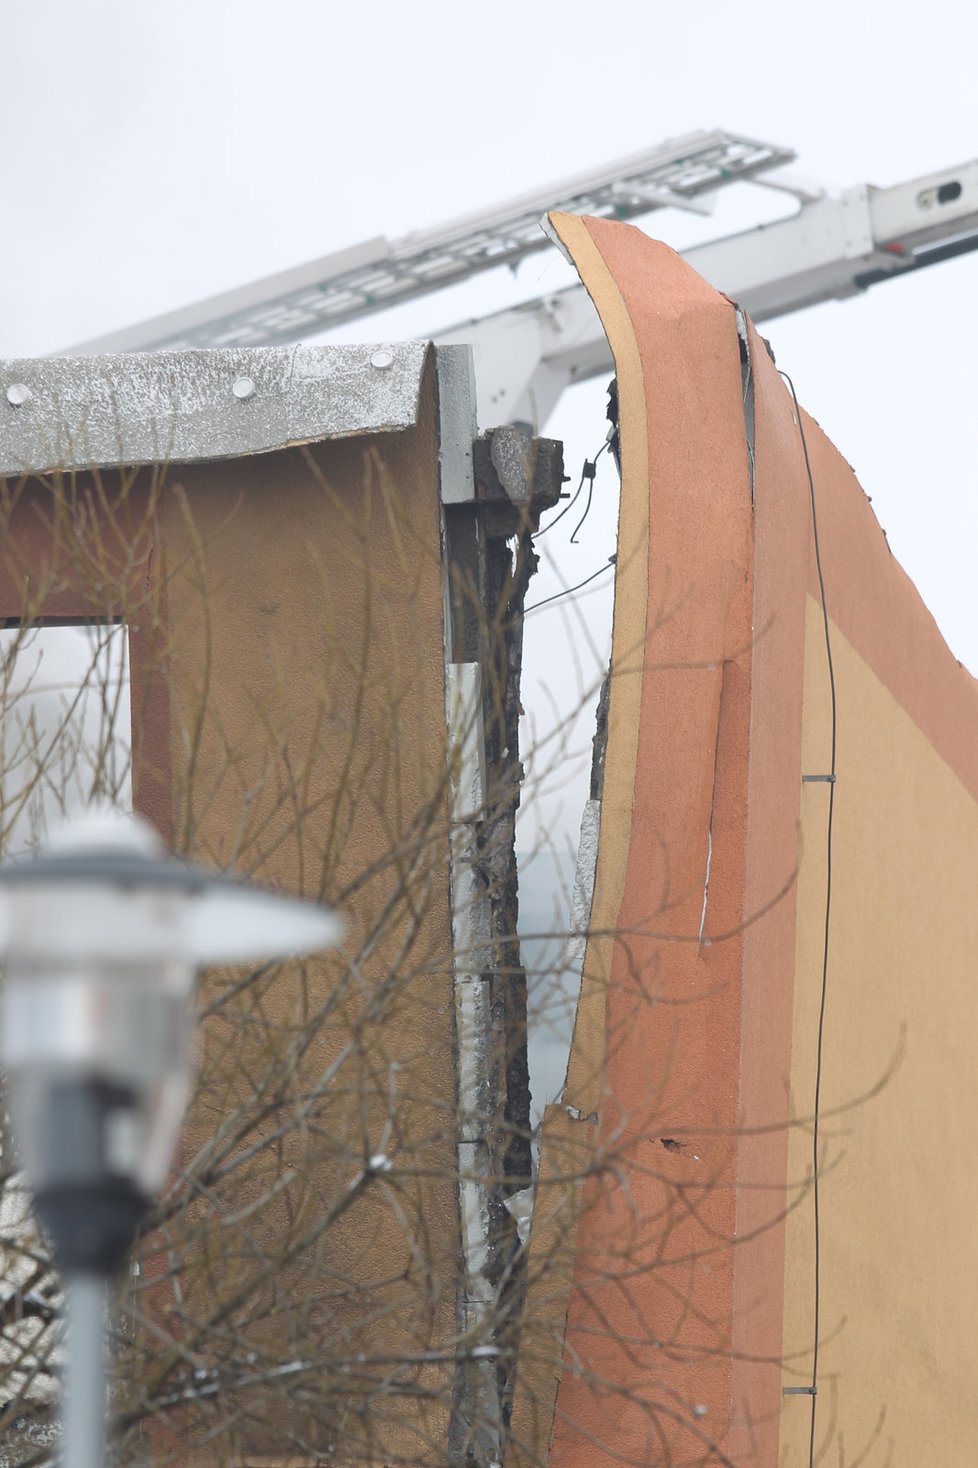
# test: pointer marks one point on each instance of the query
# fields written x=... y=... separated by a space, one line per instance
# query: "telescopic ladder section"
x=833 y=246
x=378 y=274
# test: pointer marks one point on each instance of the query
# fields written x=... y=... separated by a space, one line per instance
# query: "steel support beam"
x=834 y=247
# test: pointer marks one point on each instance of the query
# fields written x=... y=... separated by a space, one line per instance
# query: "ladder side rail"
x=380 y=273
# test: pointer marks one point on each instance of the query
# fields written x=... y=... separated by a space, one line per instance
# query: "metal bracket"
x=456 y=423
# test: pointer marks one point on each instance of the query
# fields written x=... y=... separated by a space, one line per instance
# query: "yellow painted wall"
x=899 y=1164
x=717 y=1064
x=307 y=741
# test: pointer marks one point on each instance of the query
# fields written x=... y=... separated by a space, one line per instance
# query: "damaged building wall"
x=673 y=1295
x=315 y=697
x=291 y=614
x=292 y=610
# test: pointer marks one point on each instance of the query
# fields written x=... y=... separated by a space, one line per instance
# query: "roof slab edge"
x=184 y=407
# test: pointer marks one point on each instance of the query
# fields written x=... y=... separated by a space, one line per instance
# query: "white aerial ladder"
x=834 y=246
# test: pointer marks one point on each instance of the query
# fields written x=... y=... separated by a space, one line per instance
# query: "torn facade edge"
x=573 y=1130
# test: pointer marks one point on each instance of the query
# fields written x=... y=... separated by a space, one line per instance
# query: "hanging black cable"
x=571 y=589
x=830 y=780
x=587 y=473
x=570 y=503
x=590 y=492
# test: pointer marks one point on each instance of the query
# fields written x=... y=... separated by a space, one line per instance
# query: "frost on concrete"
x=183 y=407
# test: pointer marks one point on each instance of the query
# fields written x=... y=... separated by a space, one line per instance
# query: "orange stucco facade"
x=679 y=1316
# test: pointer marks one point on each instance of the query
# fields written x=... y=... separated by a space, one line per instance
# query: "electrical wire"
x=590 y=491
x=828 y=917
x=570 y=503
x=587 y=472
x=571 y=589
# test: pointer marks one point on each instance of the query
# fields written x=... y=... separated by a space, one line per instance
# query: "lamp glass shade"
x=237 y=924
x=101 y=938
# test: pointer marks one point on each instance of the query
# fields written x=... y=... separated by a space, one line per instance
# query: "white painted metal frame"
x=832 y=248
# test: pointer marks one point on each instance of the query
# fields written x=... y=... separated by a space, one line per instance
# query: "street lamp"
x=102 y=936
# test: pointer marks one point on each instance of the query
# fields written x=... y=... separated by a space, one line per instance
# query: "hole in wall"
x=66 y=738
x=566 y=648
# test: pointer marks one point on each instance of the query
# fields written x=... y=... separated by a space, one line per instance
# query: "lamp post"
x=102 y=936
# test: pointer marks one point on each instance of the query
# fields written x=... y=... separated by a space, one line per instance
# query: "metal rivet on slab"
x=17 y=394
x=243 y=388
x=382 y=359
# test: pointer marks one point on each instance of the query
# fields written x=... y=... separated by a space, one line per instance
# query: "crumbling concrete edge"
x=72 y=413
x=476 y=1391
x=493 y=490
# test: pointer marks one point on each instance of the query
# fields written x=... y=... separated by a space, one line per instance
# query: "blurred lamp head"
x=101 y=937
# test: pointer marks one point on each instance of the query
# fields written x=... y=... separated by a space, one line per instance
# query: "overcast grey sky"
x=155 y=153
